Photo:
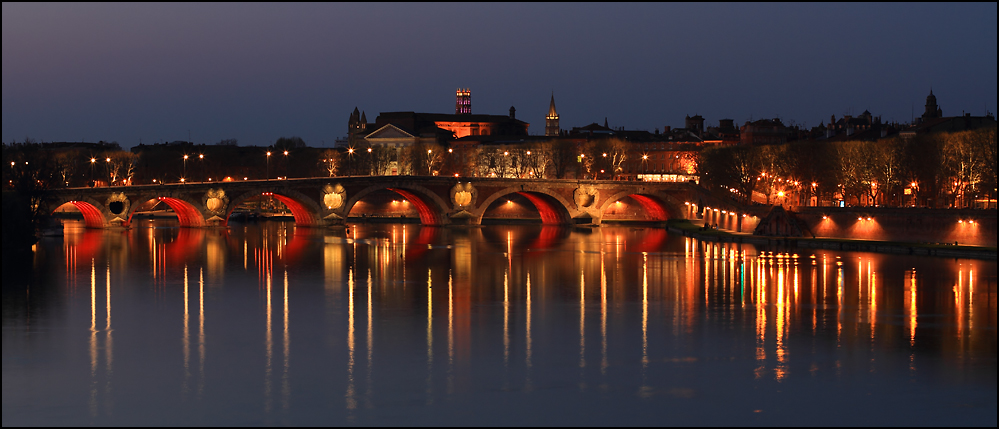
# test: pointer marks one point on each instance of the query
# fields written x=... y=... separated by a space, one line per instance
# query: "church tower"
x=932 y=110
x=551 y=121
x=463 y=102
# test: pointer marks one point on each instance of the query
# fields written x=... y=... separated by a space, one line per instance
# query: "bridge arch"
x=304 y=209
x=93 y=211
x=431 y=207
x=658 y=207
x=189 y=212
x=553 y=208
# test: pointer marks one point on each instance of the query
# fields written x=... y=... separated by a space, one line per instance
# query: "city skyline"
x=257 y=72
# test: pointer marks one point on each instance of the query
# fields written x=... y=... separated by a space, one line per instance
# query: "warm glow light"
x=268 y=153
x=351 y=150
x=201 y=156
x=185 y=157
x=286 y=153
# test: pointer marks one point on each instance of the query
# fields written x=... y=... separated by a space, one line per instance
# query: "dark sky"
x=256 y=72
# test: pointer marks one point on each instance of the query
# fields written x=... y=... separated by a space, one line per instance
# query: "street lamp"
x=286 y=165
x=268 y=170
x=201 y=162
x=107 y=166
x=92 y=162
x=183 y=176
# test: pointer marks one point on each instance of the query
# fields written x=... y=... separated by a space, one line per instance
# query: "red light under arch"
x=92 y=217
x=653 y=208
x=186 y=213
x=427 y=214
x=549 y=210
x=303 y=217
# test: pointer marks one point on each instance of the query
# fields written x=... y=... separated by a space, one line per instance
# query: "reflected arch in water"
x=431 y=208
x=530 y=237
x=657 y=208
x=553 y=208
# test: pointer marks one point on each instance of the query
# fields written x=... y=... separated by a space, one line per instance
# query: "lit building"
x=551 y=120
x=463 y=102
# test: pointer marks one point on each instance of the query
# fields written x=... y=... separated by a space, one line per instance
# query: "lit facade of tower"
x=463 y=102
x=551 y=120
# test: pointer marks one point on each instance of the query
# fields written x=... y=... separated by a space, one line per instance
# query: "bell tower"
x=463 y=102
x=551 y=120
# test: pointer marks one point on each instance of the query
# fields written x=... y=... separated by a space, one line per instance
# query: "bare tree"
x=329 y=159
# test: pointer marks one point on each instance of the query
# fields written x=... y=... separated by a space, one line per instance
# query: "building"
x=763 y=132
x=864 y=127
x=551 y=120
x=400 y=130
x=463 y=102
x=933 y=121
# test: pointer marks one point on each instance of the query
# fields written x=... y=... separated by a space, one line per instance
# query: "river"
x=398 y=324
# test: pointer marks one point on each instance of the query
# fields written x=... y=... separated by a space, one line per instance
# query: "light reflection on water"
x=403 y=324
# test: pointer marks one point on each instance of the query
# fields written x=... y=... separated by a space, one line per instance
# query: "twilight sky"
x=256 y=72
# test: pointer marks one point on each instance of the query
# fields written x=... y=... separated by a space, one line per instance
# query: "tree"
x=330 y=161
x=964 y=157
x=562 y=156
x=120 y=166
x=286 y=143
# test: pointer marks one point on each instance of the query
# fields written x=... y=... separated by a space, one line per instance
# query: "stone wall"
x=966 y=226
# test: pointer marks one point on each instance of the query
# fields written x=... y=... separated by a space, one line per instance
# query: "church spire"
x=551 y=120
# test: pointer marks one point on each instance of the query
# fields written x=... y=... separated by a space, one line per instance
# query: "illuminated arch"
x=187 y=211
x=657 y=207
x=553 y=208
x=302 y=208
x=428 y=204
x=93 y=217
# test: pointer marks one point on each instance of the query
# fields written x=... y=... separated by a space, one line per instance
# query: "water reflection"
x=520 y=298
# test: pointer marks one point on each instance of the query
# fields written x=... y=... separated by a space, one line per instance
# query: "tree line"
x=931 y=170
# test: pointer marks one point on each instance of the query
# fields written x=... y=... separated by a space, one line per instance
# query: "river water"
x=399 y=324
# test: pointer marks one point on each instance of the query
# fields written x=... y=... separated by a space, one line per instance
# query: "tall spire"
x=551 y=120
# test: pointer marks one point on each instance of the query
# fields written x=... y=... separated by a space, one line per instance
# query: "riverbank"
x=689 y=229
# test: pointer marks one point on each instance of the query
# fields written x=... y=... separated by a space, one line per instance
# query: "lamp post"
x=183 y=177
x=92 y=162
x=267 y=171
x=107 y=166
x=350 y=161
x=285 y=165
x=645 y=166
x=201 y=163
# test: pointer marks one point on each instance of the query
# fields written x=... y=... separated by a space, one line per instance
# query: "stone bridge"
x=439 y=200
